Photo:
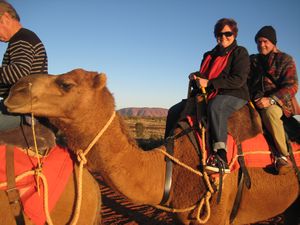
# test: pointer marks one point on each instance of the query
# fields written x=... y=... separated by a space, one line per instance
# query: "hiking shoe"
x=283 y=165
x=216 y=164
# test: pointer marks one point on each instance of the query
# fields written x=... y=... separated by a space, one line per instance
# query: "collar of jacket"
x=267 y=60
x=220 y=51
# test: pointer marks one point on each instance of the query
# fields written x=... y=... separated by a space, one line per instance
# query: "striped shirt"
x=25 y=55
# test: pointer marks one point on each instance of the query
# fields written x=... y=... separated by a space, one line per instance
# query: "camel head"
x=68 y=97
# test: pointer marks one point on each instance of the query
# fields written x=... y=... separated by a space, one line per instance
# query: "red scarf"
x=214 y=70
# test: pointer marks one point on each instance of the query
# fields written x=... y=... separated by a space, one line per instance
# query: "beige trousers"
x=271 y=118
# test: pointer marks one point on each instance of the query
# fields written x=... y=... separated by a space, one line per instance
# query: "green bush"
x=139 y=129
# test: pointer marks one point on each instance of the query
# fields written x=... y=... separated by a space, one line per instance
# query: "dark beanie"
x=267 y=32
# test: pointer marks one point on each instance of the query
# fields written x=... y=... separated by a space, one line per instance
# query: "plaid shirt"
x=282 y=68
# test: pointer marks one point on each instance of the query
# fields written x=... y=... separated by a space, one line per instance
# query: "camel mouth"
x=20 y=105
x=19 y=99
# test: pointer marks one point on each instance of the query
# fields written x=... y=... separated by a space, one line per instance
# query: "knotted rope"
x=37 y=172
x=38 y=169
x=81 y=154
x=81 y=157
x=205 y=200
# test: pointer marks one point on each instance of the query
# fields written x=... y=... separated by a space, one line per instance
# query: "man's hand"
x=263 y=102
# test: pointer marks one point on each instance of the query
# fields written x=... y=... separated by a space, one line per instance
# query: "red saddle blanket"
x=57 y=167
x=256 y=151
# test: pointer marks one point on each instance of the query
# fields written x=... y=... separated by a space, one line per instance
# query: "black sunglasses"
x=227 y=34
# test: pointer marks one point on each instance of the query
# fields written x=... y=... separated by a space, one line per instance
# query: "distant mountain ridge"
x=151 y=112
x=143 y=112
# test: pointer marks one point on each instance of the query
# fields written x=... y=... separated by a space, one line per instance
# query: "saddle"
x=56 y=168
x=23 y=138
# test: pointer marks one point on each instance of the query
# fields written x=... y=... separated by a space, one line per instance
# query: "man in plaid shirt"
x=273 y=82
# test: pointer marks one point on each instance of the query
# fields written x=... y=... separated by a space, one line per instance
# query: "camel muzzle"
x=20 y=98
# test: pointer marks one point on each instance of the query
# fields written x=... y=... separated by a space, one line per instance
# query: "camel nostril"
x=20 y=95
x=21 y=87
x=21 y=90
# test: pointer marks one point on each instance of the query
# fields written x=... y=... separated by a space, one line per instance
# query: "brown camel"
x=64 y=210
x=79 y=104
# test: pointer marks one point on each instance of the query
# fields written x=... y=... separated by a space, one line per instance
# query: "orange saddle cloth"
x=256 y=152
x=57 y=167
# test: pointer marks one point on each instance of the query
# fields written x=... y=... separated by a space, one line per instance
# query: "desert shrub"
x=139 y=129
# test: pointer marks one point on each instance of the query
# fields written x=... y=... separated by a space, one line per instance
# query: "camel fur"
x=80 y=104
x=64 y=210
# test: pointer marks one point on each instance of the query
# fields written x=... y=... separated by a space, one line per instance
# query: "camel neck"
x=136 y=173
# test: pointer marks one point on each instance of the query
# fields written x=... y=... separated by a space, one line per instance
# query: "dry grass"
x=154 y=127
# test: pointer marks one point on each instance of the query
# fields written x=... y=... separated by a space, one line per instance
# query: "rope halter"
x=81 y=155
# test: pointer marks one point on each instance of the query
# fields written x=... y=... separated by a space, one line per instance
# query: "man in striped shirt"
x=25 y=55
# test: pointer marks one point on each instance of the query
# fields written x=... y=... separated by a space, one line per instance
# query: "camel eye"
x=65 y=86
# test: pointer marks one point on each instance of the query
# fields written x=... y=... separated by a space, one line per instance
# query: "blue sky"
x=148 y=48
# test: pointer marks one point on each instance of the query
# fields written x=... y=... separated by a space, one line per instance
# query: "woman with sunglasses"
x=223 y=73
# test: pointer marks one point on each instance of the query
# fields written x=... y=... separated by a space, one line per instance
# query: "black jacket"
x=233 y=79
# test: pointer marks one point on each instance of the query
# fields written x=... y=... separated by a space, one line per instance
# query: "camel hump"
x=244 y=123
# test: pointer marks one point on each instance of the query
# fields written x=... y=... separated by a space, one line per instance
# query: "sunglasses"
x=226 y=34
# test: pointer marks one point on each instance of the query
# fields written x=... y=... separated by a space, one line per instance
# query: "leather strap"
x=243 y=167
x=187 y=129
x=243 y=178
x=169 y=170
x=238 y=197
x=12 y=192
x=292 y=158
x=169 y=164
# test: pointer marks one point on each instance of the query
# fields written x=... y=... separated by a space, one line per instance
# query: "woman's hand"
x=193 y=76
x=201 y=82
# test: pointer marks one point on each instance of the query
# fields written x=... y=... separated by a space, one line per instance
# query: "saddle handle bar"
x=190 y=89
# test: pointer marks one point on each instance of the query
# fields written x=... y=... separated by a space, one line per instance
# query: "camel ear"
x=99 y=80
